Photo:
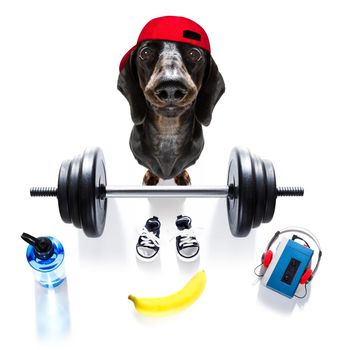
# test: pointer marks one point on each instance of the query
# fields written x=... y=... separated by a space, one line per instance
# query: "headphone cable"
x=305 y=293
x=256 y=274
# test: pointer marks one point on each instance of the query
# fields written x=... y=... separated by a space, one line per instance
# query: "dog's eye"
x=146 y=54
x=194 y=55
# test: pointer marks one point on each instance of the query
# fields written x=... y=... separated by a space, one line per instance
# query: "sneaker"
x=187 y=245
x=147 y=246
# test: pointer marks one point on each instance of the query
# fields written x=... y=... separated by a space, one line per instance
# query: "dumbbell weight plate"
x=240 y=207
x=271 y=191
x=260 y=190
x=73 y=190
x=92 y=207
x=62 y=194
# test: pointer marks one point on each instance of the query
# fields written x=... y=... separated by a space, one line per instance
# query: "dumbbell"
x=82 y=191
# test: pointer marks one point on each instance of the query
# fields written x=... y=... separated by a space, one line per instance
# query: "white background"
x=286 y=68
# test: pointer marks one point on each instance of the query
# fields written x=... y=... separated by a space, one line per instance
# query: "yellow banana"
x=174 y=302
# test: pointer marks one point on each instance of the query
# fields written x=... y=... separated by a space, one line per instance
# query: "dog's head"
x=170 y=77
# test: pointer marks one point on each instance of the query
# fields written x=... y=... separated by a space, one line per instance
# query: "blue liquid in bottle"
x=45 y=256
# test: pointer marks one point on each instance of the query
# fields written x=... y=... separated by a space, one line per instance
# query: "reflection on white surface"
x=111 y=246
x=149 y=267
x=52 y=311
x=221 y=244
x=281 y=303
x=189 y=267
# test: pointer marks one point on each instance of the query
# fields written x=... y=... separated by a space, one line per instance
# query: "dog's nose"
x=171 y=91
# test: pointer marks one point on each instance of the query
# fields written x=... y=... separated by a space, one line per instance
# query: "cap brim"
x=125 y=58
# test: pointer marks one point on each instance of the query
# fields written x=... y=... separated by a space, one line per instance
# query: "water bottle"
x=45 y=256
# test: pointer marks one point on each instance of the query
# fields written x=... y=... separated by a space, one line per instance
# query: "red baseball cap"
x=171 y=28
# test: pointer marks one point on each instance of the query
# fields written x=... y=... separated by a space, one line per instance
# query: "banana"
x=174 y=302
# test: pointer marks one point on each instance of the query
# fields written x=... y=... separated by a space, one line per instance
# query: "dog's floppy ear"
x=209 y=94
x=128 y=85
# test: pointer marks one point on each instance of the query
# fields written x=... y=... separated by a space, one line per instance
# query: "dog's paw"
x=183 y=179
x=150 y=179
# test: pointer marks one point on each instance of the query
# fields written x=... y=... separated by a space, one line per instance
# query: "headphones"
x=267 y=256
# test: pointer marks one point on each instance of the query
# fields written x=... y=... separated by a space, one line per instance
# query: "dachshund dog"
x=172 y=88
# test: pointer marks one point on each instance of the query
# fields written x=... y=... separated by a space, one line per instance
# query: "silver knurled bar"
x=167 y=192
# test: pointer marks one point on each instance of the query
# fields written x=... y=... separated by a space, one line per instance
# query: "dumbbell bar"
x=82 y=192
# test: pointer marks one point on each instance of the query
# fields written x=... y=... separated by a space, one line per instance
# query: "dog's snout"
x=171 y=92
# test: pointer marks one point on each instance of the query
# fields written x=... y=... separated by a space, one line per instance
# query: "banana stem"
x=131 y=297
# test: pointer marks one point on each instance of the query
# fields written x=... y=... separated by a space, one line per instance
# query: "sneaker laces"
x=148 y=239
x=187 y=239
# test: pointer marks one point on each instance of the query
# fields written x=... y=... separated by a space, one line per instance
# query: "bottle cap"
x=43 y=248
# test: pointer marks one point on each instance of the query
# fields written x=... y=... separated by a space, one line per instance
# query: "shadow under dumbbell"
x=166 y=209
x=110 y=247
x=222 y=245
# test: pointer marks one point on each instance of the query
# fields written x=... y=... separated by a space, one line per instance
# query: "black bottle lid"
x=43 y=248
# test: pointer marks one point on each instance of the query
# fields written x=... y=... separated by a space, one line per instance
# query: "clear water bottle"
x=45 y=256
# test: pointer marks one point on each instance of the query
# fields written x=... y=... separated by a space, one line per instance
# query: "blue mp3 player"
x=287 y=267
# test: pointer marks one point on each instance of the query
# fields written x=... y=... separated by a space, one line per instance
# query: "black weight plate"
x=73 y=191
x=271 y=190
x=62 y=192
x=260 y=191
x=93 y=209
x=240 y=209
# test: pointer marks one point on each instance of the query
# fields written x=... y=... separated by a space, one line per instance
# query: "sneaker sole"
x=141 y=258
x=182 y=258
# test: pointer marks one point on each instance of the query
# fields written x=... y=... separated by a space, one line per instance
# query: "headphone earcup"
x=306 y=276
x=266 y=258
